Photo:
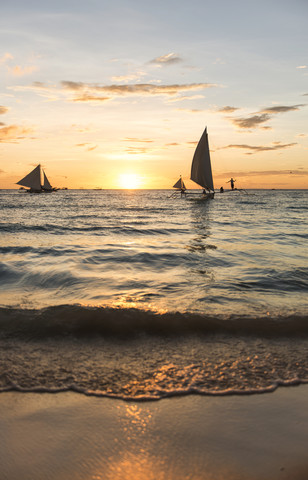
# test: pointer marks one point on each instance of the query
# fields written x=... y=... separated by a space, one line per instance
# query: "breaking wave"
x=81 y=321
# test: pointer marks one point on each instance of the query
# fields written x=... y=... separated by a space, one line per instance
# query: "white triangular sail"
x=46 y=184
x=179 y=184
x=32 y=180
x=201 y=170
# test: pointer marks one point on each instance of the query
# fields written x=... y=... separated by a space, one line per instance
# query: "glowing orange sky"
x=96 y=95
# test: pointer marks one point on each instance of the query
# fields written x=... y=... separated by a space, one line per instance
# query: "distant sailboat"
x=201 y=170
x=180 y=185
x=34 y=181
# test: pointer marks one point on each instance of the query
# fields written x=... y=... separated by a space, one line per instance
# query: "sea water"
x=141 y=295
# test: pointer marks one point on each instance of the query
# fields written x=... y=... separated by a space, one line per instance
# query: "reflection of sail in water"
x=201 y=247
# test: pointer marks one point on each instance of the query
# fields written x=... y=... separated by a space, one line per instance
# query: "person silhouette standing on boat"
x=231 y=181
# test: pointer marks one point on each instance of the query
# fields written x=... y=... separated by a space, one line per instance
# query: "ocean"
x=138 y=295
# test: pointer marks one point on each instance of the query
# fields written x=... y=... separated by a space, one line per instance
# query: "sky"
x=117 y=94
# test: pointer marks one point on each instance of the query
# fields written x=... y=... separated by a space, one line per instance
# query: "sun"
x=129 y=180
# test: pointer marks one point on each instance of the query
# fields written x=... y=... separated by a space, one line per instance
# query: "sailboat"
x=37 y=181
x=180 y=185
x=201 y=170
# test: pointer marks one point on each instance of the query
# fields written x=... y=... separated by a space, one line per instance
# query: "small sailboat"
x=201 y=170
x=37 y=181
x=180 y=185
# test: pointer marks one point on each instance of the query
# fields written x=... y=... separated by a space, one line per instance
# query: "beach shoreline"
x=73 y=436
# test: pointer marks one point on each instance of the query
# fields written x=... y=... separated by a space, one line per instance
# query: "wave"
x=159 y=395
x=78 y=320
x=92 y=229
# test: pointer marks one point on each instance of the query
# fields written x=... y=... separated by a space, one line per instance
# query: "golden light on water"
x=129 y=180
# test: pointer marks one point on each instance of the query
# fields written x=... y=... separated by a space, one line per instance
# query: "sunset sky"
x=116 y=94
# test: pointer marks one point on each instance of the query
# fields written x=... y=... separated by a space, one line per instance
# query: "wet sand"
x=72 y=436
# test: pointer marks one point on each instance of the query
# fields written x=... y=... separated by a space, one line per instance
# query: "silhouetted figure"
x=221 y=189
x=232 y=183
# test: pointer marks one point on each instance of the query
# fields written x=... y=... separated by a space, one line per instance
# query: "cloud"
x=227 y=109
x=137 y=140
x=3 y=110
x=95 y=93
x=90 y=98
x=168 y=59
x=264 y=115
x=282 y=109
x=5 y=58
x=83 y=92
x=262 y=173
x=13 y=133
x=137 y=150
x=89 y=146
x=135 y=89
x=302 y=66
x=49 y=91
x=128 y=78
x=250 y=122
x=19 y=71
x=261 y=148
x=185 y=97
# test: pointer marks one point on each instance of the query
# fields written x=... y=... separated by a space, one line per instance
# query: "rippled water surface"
x=237 y=254
x=136 y=294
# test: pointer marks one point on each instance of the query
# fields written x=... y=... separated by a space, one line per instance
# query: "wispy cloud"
x=95 y=93
x=5 y=58
x=137 y=150
x=19 y=71
x=282 y=108
x=137 y=140
x=134 y=89
x=88 y=146
x=191 y=110
x=261 y=148
x=262 y=173
x=135 y=146
x=302 y=67
x=184 y=97
x=263 y=116
x=165 y=60
x=129 y=77
x=13 y=133
x=250 y=122
x=3 y=110
x=227 y=109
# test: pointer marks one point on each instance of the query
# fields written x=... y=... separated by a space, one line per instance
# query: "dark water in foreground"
x=136 y=295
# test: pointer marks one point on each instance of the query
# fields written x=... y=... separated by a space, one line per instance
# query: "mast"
x=201 y=170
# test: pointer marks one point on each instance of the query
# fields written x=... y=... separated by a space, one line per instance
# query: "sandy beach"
x=72 y=436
